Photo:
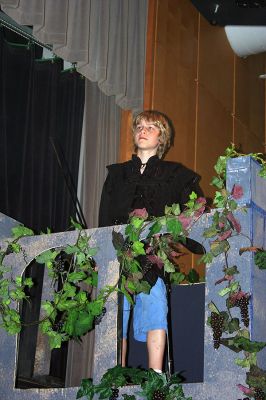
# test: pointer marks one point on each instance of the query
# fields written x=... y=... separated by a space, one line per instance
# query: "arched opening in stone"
x=37 y=366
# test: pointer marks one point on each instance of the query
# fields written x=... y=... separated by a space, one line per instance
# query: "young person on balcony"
x=146 y=181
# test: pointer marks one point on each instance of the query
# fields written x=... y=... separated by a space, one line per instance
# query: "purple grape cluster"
x=242 y=303
x=158 y=395
x=115 y=394
x=259 y=394
x=217 y=325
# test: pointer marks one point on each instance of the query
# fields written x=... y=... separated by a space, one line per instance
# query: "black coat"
x=162 y=183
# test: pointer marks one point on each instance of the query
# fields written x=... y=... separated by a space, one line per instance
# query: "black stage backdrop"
x=37 y=102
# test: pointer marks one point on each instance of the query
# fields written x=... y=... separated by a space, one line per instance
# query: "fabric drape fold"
x=106 y=38
x=100 y=147
x=38 y=102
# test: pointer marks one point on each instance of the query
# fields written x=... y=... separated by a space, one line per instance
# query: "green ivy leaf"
x=232 y=205
x=92 y=251
x=76 y=276
x=220 y=166
x=223 y=292
x=206 y=258
x=231 y=270
x=86 y=389
x=248 y=345
x=167 y=210
x=210 y=232
x=213 y=308
x=193 y=276
x=75 y=224
x=69 y=290
x=70 y=322
x=177 y=277
x=193 y=196
x=20 y=230
x=48 y=307
x=219 y=200
x=64 y=305
x=46 y=256
x=174 y=227
x=94 y=276
x=168 y=266
x=55 y=340
x=155 y=228
x=176 y=209
x=46 y=326
x=96 y=306
x=15 y=247
x=233 y=325
x=124 y=291
x=143 y=287
x=83 y=323
x=217 y=182
x=137 y=222
x=260 y=259
x=80 y=258
x=262 y=172
x=248 y=361
x=219 y=247
x=132 y=234
x=138 y=248
x=28 y=282
x=71 y=249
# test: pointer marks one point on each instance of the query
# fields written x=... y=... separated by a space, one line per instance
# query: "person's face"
x=146 y=136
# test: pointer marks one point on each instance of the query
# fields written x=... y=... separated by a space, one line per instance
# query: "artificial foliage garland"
x=153 y=386
x=73 y=311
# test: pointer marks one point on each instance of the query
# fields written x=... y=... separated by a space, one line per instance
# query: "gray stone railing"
x=221 y=375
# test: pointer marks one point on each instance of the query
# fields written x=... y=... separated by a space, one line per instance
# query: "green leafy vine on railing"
x=224 y=226
x=73 y=310
x=153 y=386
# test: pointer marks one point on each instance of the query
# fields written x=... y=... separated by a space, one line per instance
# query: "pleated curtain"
x=106 y=38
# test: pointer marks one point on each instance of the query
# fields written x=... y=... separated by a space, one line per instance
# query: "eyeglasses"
x=147 y=128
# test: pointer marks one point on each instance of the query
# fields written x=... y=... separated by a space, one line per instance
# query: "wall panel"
x=249 y=102
x=175 y=73
x=214 y=135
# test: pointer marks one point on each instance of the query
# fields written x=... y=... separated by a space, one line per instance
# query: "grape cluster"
x=146 y=267
x=98 y=318
x=259 y=394
x=158 y=395
x=61 y=262
x=115 y=394
x=216 y=324
x=57 y=326
x=242 y=303
x=127 y=244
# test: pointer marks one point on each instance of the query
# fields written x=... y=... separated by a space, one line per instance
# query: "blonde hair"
x=162 y=122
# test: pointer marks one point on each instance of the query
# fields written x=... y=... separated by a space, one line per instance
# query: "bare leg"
x=124 y=352
x=156 y=345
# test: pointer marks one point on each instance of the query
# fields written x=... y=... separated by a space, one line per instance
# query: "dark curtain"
x=41 y=107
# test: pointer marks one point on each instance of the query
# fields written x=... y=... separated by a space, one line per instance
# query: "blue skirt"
x=150 y=312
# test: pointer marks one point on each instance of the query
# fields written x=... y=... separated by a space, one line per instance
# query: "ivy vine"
x=74 y=309
x=152 y=385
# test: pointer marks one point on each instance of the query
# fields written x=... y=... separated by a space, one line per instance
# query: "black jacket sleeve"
x=104 y=210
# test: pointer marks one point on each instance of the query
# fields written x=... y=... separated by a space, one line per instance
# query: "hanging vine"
x=73 y=311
